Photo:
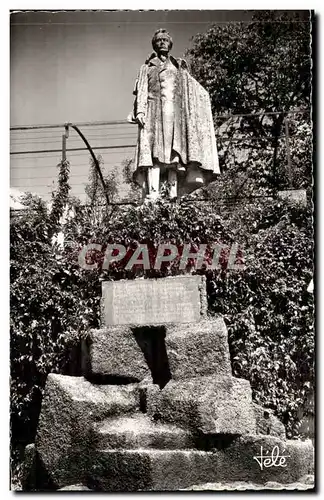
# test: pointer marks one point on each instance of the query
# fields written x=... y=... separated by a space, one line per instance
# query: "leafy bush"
x=251 y=68
x=266 y=306
x=268 y=310
x=51 y=302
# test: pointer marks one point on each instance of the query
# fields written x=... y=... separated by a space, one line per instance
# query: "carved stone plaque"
x=179 y=299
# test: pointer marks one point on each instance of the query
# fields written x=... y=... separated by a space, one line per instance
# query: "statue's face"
x=162 y=43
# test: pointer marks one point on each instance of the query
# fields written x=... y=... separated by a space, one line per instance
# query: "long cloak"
x=194 y=141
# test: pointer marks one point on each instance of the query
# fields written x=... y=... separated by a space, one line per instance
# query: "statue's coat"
x=194 y=141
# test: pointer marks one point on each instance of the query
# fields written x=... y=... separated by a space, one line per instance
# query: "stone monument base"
x=147 y=469
x=158 y=408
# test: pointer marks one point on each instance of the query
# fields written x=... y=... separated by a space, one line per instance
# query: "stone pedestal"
x=158 y=407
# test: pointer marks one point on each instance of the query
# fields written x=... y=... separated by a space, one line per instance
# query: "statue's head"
x=162 y=42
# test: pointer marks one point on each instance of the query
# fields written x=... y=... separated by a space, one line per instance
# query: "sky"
x=81 y=67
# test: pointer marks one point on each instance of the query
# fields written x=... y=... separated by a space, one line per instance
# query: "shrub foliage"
x=266 y=305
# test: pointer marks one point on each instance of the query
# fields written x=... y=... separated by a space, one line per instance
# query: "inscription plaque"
x=178 y=299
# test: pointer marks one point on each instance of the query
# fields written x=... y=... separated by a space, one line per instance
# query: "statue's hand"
x=140 y=119
x=183 y=64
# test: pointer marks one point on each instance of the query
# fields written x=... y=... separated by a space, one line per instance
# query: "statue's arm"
x=141 y=93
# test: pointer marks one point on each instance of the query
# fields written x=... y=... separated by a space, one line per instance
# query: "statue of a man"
x=176 y=138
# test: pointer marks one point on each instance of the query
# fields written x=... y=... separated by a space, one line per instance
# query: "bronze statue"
x=176 y=138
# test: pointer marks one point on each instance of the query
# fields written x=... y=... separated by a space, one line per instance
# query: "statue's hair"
x=165 y=32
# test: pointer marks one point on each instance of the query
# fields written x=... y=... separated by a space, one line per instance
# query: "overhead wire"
x=58 y=155
x=33 y=154
x=50 y=177
x=125 y=122
x=116 y=146
x=15 y=141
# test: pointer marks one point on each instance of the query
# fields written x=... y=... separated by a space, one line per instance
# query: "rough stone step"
x=165 y=470
x=70 y=406
x=207 y=405
x=139 y=431
x=198 y=349
x=151 y=469
x=177 y=351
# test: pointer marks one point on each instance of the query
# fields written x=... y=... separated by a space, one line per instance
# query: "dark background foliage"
x=253 y=68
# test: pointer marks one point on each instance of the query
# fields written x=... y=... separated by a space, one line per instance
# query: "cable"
x=59 y=140
x=119 y=146
x=50 y=184
x=58 y=156
x=232 y=200
x=133 y=136
x=125 y=122
x=50 y=166
x=267 y=113
x=21 y=140
x=51 y=177
x=72 y=149
x=62 y=125
x=38 y=132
